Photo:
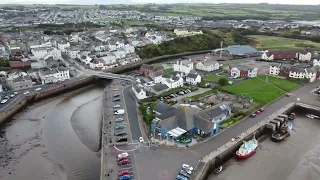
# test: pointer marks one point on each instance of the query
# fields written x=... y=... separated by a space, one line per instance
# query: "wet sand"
x=55 y=139
x=295 y=158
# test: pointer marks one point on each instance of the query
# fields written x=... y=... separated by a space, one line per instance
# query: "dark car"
x=122 y=139
x=116 y=95
x=253 y=115
x=120 y=133
x=116 y=99
x=185 y=174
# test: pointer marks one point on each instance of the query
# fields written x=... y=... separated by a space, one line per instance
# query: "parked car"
x=187 y=167
x=122 y=158
x=141 y=139
x=125 y=172
x=12 y=95
x=7 y=97
x=253 y=115
x=288 y=95
x=119 y=119
x=116 y=95
x=38 y=89
x=119 y=127
x=123 y=154
x=15 y=93
x=27 y=92
x=179 y=177
x=261 y=109
x=124 y=162
x=117 y=106
x=257 y=112
x=4 y=101
x=116 y=99
x=122 y=139
x=184 y=173
x=120 y=133
x=115 y=89
x=125 y=177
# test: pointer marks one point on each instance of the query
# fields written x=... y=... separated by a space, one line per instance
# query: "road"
x=132 y=114
x=304 y=93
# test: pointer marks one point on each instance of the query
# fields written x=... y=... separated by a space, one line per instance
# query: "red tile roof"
x=16 y=64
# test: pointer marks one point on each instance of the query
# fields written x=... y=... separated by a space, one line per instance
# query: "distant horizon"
x=132 y=2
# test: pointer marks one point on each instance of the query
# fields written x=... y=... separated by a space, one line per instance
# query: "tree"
x=223 y=81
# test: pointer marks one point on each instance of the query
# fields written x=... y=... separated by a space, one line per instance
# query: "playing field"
x=261 y=91
x=262 y=42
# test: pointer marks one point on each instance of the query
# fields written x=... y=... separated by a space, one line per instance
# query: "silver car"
x=119 y=119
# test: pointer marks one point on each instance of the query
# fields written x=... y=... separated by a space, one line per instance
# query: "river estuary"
x=54 y=139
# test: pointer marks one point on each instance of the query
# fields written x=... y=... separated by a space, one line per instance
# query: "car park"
x=253 y=115
x=125 y=177
x=125 y=172
x=179 y=177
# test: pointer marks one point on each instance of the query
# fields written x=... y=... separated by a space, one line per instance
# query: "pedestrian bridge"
x=112 y=76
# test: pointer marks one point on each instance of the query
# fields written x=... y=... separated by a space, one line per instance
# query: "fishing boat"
x=311 y=116
x=292 y=116
x=247 y=148
x=283 y=131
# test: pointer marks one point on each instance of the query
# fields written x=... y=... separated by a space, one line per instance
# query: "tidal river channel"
x=54 y=139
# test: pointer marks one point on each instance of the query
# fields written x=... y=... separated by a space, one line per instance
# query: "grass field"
x=278 y=43
x=210 y=78
x=168 y=70
x=281 y=83
x=261 y=91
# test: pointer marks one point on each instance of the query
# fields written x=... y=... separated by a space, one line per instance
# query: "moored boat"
x=311 y=116
x=283 y=131
x=247 y=148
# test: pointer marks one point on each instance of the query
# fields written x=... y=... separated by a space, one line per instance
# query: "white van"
x=116 y=106
x=119 y=112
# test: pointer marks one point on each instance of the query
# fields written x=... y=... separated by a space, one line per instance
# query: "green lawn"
x=281 y=83
x=168 y=70
x=262 y=42
x=211 y=78
x=261 y=91
x=223 y=73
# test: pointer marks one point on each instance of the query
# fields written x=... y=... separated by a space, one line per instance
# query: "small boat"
x=311 y=116
x=218 y=170
x=282 y=132
x=247 y=148
x=292 y=116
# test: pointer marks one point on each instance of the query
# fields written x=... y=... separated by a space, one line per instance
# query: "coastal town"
x=180 y=89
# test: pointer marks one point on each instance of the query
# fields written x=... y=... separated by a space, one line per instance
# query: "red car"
x=124 y=162
x=122 y=158
x=125 y=172
x=258 y=112
x=288 y=94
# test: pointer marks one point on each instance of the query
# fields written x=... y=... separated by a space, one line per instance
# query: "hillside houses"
x=293 y=71
x=242 y=71
x=184 y=66
x=207 y=65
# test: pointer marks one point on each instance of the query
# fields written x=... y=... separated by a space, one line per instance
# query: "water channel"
x=58 y=138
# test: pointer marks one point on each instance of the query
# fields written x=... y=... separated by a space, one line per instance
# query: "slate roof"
x=297 y=69
x=208 y=62
x=311 y=70
x=159 y=87
x=192 y=76
x=215 y=111
x=240 y=50
x=163 y=107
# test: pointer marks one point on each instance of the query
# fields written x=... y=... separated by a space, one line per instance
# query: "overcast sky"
x=151 y=1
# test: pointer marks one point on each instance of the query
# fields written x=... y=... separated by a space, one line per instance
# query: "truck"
x=119 y=112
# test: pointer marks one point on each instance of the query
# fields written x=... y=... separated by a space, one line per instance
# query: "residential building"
x=157 y=89
x=63 y=47
x=45 y=53
x=311 y=74
x=156 y=76
x=305 y=56
x=138 y=91
x=174 y=122
x=207 y=66
x=109 y=60
x=73 y=52
x=19 y=64
x=297 y=73
x=119 y=54
x=172 y=81
x=128 y=49
x=241 y=71
x=285 y=70
x=54 y=75
x=184 y=66
x=193 y=78
x=39 y=64
x=97 y=64
x=274 y=69
x=316 y=62
x=146 y=69
x=20 y=82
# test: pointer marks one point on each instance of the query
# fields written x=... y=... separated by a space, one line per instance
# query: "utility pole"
x=221 y=49
x=267 y=80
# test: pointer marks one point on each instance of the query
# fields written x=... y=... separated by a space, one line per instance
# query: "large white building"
x=274 y=69
x=54 y=75
x=208 y=66
x=45 y=53
x=193 y=78
x=138 y=91
x=63 y=47
x=184 y=66
x=73 y=52
x=97 y=64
